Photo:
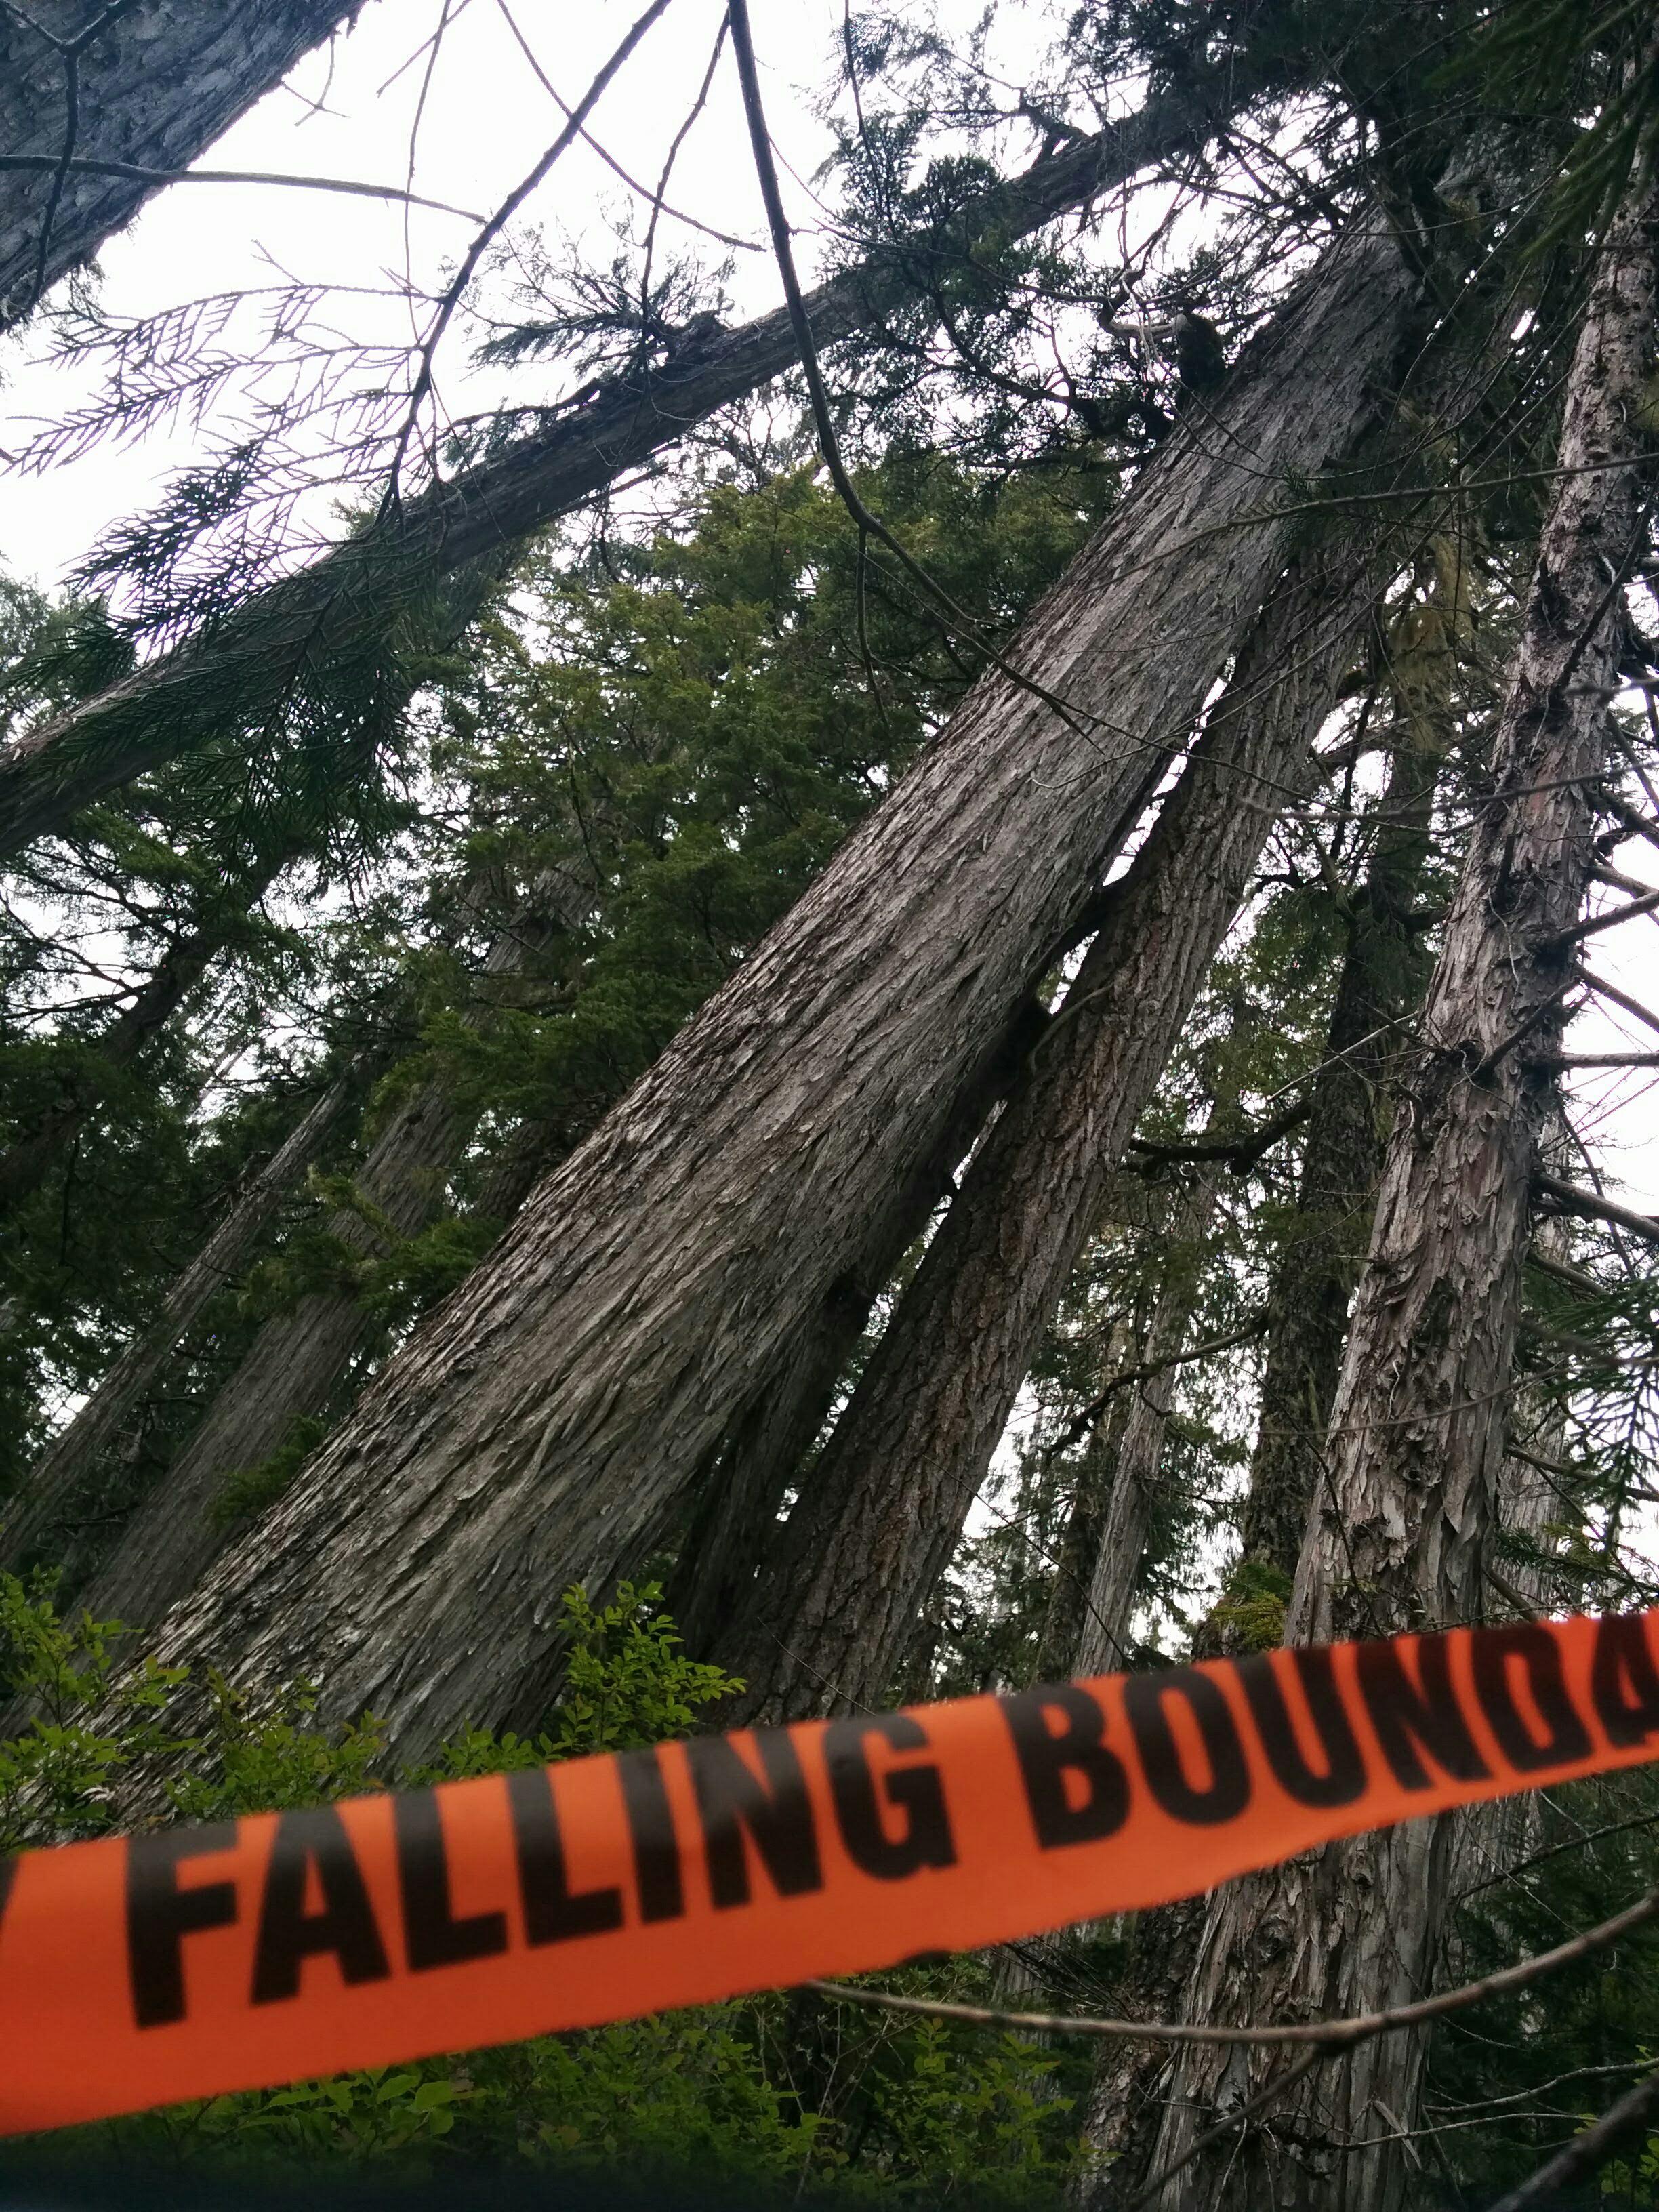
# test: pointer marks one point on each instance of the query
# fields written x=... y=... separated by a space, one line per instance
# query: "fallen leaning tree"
x=536 y=1424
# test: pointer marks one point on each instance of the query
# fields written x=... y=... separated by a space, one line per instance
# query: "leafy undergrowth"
x=782 y=2091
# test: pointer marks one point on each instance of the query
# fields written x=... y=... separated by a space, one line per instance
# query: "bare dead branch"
x=1325 y=2034
x=1573 y=1198
x=139 y=175
x=455 y=290
x=1585 y=2152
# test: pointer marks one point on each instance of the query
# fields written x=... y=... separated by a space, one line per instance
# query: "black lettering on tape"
x=160 y=1915
x=1048 y=1755
x=1495 y=1649
x=917 y=1793
x=1410 y=1721
x=1227 y=1791
x=553 y=1912
x=1624 y=1683
x=651 y=1825
x=775 y=1812
x=1344 y=1776
x=314 y=1841
x=433 y=1937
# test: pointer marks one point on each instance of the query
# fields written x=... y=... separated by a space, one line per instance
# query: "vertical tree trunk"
x=1398 y=1531
x=1102 y=1639
x=834 y=1614
x=1091 y=1498
x=58 y=1476
x=152 y=90
x=539 y=1420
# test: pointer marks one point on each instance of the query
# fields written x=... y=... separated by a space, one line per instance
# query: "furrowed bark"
x=541 y=1418
x=295 y=631
x=152 y=90
x=737 y=1501
x=834 y=1614
x=1400 y=1528
x=55 y=1480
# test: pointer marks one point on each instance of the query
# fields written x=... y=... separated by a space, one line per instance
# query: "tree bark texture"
x=58 y=1475
x=1382 y=979
x=834 y=1614
x=295 y=631
x=152 y=91
x=541 y=1417
x=1102 y=1639
x=1400 y=1524
x=737 y=1498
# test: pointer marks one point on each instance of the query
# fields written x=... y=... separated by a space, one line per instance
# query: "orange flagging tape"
x=186 y=1961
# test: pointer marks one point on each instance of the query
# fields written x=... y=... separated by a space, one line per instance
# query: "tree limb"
x=247 y=666
x=1323 y=2034
x=1573 y=1198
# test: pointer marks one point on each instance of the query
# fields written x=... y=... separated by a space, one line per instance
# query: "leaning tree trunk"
x=542 y=1416
x=1399 y=1534
x=292 y=1372
x=737 y=1497
x=297 y=1364
x=149 y=92
x=56 y=1479
x=1380 y=982
x=285 y=636
x=831 y=1620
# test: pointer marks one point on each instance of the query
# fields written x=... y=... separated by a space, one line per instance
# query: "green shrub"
x=773 y=2090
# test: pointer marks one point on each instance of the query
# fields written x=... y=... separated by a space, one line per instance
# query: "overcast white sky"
x=484 y=118
x=483 y=121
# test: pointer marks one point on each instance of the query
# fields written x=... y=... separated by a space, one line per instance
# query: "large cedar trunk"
x=299 y=631
x=540 y=1421
x=738 y=1495
x=830 y=1621
x=153 y=89
x=1399 y=1535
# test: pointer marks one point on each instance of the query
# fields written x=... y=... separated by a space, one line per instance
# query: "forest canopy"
x=830 y=880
